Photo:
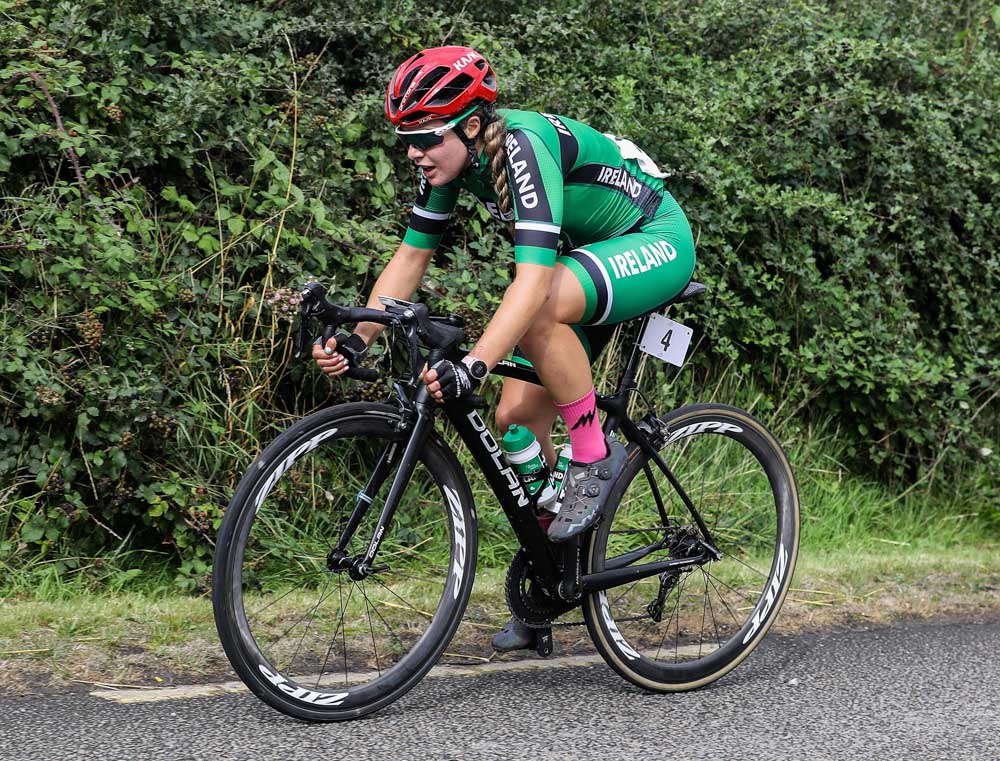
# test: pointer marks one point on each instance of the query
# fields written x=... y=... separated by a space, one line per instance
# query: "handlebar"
x=440 y=333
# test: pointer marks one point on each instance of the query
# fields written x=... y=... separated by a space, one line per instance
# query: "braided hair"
x=496 y=133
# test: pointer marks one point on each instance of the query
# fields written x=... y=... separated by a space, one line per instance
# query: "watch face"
x=478 y=369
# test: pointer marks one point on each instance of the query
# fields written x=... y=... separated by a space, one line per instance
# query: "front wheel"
x=682 y=629
x=310 y=635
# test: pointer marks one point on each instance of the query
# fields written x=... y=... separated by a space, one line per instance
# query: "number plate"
x=666 y=339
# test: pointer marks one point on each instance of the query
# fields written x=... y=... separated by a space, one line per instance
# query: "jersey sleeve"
x=536 y=187
x=430 y=214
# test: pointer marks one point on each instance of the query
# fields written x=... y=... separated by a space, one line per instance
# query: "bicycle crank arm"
x=595 y=582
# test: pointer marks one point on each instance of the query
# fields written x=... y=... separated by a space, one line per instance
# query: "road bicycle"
x=347 y=555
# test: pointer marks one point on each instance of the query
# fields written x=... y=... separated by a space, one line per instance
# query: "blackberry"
x=48 y=396
x=284 y=303
x=91 y=328
x=55 y=485
x=122 y=497
x=163 y=424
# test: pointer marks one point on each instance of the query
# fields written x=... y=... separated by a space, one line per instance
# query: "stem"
x=37 y=78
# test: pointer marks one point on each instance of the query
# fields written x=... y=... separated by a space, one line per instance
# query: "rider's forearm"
x=520 y=306
x=399 y=279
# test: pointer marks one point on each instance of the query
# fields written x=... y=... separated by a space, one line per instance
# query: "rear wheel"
x=680 y=630
x=311 y=636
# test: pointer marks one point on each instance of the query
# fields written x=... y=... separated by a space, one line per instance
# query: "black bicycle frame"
x=551 y=563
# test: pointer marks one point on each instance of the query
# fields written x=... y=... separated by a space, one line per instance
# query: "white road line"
x=147 y=695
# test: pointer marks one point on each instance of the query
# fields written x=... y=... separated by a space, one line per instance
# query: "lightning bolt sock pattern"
x=584 y=428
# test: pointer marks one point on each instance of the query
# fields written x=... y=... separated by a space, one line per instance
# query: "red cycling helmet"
x=438 y=83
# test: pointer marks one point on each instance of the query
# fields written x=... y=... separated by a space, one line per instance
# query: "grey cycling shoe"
x=513 y=636
x=585 y=490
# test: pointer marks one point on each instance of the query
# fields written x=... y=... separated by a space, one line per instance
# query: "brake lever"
x=303 y=338
x=312 y=295
x=416 y=361
x=328 y=331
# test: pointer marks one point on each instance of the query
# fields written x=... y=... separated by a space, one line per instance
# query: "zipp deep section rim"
x=276 y=479
x=619 y=620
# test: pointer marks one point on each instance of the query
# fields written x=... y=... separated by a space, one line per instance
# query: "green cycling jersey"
x=566 y=179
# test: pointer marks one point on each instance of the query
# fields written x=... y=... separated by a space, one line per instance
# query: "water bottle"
x=525 y=454
x=549 y=498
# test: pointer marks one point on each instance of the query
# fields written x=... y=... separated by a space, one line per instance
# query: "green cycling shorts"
x=627 y=276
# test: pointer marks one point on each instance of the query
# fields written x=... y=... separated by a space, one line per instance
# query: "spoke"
x=716 y=578
x=371 y=628
x=722 y=599
x=627 y=590
x=389 y=628
x=312 y=618
x=303 y=618
x=675 y=611
x=405 y=602
x=276 y=600
x=343 y=632
x=701 y=634
x=411 y=576
x=746 y=565
x=711 y=609
x=333 y=640
x=735 y=534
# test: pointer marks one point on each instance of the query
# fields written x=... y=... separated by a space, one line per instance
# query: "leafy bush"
x=166 y=167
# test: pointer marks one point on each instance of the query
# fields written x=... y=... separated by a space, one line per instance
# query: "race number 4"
x=666 y=339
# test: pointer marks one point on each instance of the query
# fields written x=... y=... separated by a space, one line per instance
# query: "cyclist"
x=627 y=247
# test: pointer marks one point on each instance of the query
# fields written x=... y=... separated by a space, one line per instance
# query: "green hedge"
x=839 y=164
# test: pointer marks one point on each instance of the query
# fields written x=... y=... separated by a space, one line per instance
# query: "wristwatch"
x=477 y=368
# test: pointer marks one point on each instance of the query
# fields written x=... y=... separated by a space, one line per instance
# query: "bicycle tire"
x=271 y=561
x=739 y=479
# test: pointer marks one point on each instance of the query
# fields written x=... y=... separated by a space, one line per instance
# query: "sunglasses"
x=422 y=139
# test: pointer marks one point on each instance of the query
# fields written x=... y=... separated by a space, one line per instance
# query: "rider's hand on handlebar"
x=335 y=363
x=448 y=380
x=329 y=361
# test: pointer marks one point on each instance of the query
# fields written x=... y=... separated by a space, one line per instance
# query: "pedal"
x=543 y=642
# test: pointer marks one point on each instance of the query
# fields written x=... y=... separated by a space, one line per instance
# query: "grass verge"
x=159 y=639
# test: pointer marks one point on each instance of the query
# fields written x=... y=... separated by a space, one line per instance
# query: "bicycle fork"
x=362 y=566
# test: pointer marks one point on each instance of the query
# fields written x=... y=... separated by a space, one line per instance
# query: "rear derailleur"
x=684 y=543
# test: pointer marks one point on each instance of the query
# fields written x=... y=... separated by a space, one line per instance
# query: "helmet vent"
x=452 y=90
x=425 y=86
x=407 y=80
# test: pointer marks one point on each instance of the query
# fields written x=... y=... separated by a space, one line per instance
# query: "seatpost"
x=628 y=377
x=616 y=405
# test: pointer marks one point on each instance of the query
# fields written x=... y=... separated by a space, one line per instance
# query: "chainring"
x=527 y=599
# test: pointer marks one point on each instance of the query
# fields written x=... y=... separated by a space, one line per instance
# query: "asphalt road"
x=919 y=691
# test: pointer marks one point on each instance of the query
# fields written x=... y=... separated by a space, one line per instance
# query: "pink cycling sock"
x=585 y=434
